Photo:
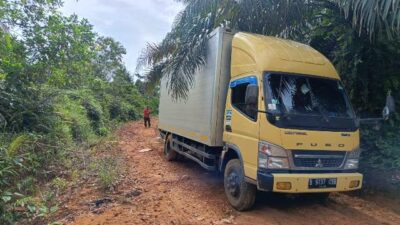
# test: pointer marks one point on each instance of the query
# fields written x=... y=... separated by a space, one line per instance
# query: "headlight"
x=353 y=159
x=272 y=156
x=278 y=163
x=351 y=164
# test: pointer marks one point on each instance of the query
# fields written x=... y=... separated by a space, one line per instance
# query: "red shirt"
x=146 y=113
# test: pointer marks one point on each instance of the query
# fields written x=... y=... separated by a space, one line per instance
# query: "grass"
x=108 y=172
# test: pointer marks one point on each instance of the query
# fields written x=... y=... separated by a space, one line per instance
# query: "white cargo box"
x=200 y=117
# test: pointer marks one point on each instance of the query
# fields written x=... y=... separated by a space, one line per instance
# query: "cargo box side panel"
x=192 y=117
x=222 y=84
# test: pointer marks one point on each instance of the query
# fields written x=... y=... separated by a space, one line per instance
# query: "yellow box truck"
x=270 y=114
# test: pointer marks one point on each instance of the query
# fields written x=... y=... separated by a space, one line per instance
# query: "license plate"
x=322 y=183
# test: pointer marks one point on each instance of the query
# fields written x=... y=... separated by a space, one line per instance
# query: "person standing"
x=146 y=116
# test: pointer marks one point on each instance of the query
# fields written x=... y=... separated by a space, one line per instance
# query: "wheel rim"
x=233 y=184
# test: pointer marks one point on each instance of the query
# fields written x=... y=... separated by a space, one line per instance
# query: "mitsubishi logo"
x=319 y=164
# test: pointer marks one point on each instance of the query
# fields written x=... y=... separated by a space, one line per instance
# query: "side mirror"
x=390 y=106
x=251 y=97
x=386 y=113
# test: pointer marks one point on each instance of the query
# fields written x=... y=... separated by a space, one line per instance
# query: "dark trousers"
x=147 y=122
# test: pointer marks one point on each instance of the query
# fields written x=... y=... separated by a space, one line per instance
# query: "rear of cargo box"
x=200 y=116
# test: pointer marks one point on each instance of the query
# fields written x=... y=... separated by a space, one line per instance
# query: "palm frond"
x=154 y=53
x=373 y=15
x=153 y=76
x=183 y=50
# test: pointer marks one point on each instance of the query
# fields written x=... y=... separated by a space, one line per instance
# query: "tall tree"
x=108 y=59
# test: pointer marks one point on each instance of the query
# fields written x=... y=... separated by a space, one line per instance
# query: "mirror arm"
x=268 y=113
x=370 y=120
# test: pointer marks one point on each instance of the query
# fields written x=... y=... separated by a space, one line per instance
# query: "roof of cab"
x=252 y=52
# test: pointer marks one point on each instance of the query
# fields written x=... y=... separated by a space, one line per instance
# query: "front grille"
x=318 y=159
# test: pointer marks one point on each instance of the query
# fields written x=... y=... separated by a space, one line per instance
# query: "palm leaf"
x=373 y=15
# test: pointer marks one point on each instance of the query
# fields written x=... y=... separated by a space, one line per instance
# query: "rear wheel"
x=169 y=153
x=241 y=195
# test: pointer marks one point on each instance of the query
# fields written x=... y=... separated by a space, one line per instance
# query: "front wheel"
x=241 y=195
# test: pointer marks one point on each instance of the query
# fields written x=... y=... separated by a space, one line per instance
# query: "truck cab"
x=289 y=126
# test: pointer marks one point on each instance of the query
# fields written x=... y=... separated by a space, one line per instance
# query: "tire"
x=241 y=195
x=169 y=153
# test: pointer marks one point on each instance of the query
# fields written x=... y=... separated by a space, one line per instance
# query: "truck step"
x=176 y=143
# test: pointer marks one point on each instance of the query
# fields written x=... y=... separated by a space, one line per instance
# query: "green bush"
x=73 y=114
x=380 y=160
x=103 y=131
x=115 y=110
x=17 y=165
x=95 y=115
x=122 y=111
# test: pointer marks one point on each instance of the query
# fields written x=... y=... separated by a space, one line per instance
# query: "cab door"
x=241 y=123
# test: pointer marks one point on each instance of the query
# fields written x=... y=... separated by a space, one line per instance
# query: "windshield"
x=321 y=102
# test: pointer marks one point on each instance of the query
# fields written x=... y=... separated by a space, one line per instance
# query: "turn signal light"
x=354 y=184
x=283 y=185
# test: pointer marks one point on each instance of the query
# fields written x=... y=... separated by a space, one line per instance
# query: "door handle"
x=228 y=128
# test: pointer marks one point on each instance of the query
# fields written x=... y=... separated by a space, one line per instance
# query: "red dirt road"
x=158 y=192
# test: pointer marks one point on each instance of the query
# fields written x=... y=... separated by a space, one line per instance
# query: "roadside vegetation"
x=63 y=89
x=360 y=37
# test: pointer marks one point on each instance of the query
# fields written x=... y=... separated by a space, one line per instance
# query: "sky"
x=131 y=22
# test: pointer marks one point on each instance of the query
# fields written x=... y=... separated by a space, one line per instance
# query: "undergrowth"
x=62 y=156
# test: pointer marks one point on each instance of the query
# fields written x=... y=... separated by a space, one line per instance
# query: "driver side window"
x=238 y=97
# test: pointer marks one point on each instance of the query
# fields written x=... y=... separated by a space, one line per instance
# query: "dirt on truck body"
x=154 y=191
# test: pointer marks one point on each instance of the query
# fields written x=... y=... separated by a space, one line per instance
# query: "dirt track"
x=183 y=193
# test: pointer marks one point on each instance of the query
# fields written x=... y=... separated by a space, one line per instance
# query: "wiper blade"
x=326 y=118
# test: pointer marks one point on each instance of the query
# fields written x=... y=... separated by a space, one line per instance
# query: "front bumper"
x=299 y=182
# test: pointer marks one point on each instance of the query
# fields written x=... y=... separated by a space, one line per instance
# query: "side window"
x=238 y=97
